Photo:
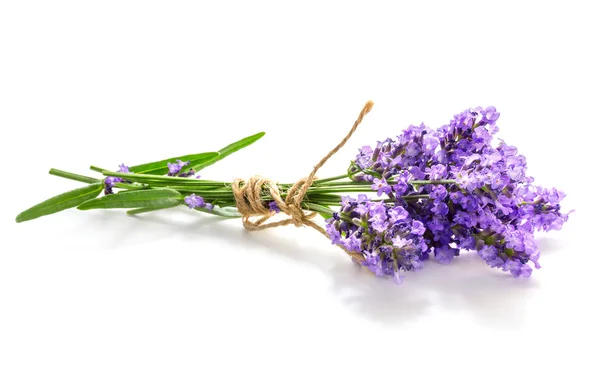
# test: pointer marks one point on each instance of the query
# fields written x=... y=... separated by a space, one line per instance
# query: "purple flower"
x=488 y=253
x=541 y=208
x=517 y=269
x=373 y=263
x=352 y=243
x=440 y=209
x=535 y=260
x=417 y=228
x=364 y=159
x=379 y=223
x=437 y=171
x=175 y=168
x=437 y=223
x=188 y=173
x=194 y=201
x=445 y=254
x=398 y=278
x=110 y=181
x=400 y=188
x=438 y=193
x=511 y=250
x=332 y=231
x=274 y=207
x=490 y=114
x=389 y=239
x=381 y=186
x=397 y=214
x=400 y=242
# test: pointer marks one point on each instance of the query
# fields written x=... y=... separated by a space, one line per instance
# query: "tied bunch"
x=426 y=193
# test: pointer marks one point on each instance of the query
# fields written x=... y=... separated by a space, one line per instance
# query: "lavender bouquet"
x=427 y=193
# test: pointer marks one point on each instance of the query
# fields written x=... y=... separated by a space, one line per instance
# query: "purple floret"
x=175 y=168
x=274 y=207
x=194 y=201
x=110 y=181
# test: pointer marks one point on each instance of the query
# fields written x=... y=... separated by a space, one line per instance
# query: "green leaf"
x=321 y=210
x=226 y=212
x=70 y=175
x=97 y=169
x=160 y=167
x=230 y=149
x=324 y=215
x=159 y=197
x=197 y=161
x=145 y=178
x=61 y=202
x=150 y=209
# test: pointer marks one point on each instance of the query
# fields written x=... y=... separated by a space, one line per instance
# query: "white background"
x=178 y=296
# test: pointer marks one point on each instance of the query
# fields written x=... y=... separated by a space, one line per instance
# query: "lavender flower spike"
x=110 y=181
x=391 y=242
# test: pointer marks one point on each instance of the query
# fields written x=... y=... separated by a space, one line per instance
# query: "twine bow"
x=247 y=195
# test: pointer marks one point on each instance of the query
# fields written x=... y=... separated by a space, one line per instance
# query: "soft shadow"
x=121 y=230
x=549 y=245
x=466 y=286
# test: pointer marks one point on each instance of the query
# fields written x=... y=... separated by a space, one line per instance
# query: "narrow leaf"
x=321 y=210
x=160 y=167
x=153 y=198
x=230 y=149
x=324 y=215
x=70 y=175
x=146 y=178
x=226 y=212
x=150 y=209
x=97 y=169
x=61 y=202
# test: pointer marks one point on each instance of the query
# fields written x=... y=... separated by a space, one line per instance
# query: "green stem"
x=322 y=194
x=318 y=208
x=416 y=197
x=333 y=178
x=97 y=169
x=352 y=183
x=441 y=181
x=346 y=183
x=70 y=175
x=339 y=189
x=130 y=186
x=166 y=181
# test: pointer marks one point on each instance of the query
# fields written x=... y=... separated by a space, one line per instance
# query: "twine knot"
x=249 y=195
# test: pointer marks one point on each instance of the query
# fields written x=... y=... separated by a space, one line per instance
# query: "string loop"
x=248 y=195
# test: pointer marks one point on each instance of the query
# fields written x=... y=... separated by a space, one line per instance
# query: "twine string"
x=247 y=195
